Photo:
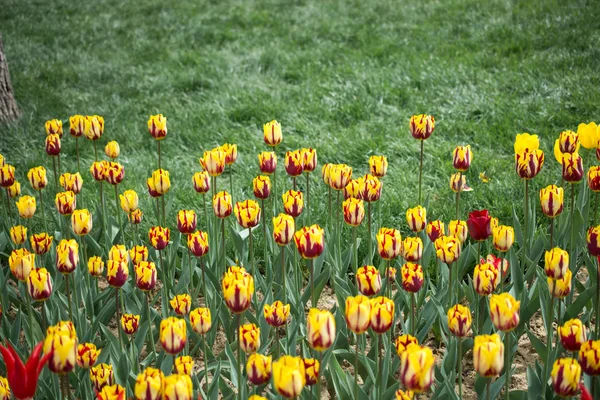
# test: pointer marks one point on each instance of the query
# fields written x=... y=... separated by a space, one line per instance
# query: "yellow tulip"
x=157 y=126
x=71 y=182
x=488 y=355
x=81 y=222
x=102 y=375
x=416 y=218
x=284 y=228
x=39 y=284
x=65 y=202
x=149 y=384
x=272 y=133
x=560 y=288
x=389 y=243
x=566 y=375
x=247 y=213
x=276 y=314
x=378 y=166
x=556 y=263
x=177 y=387
x=37 y=178
x=129 y=201
x=184 y=365
x=112 y=149
x=417 y=365
x=173 y=334
x=459 y=320
x=200 y=320
x=412 y=249
x=382 y=314
x=213 y=161
x=447 y=249
x=258 y=369
x=249 y=337
x=181 y=304
x=588 y=135
x=289 y=376
x=54 y=127
x=94 y=127
x=18 y=234
x=504 y=311
x=61 y=345
x=222 y=204
x=67 y=255
x=320 y=329
x=526 y=141
x=358 y=314
x=238 y=288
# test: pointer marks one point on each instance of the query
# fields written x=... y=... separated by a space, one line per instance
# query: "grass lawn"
x=343 y=77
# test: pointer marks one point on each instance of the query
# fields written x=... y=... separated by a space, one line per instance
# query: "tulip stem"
x=158 y=145
x=69 y=297
x=339 y=229
x=308 y=198
x=164 y=210
x=239 y=360
x=595 y=207
x=597 y=300
x=525 y=233
x=205 y=362
x=551 y=233
x=312 y=284
x=118 y=317
x=457 y=202
x=264 y=226
x=421 y=170
x=283 y=274
x=379 y=366
x=251 y=251
x=164 y=285
x=204 y=284
x=507 y=353
x=30 y=315
x=550 y=318
x=329 y=204
x=450 y=286
x=118 y=213
x=231 y=179
x=412 y=316
x=205 y=212
x=355 y=250
x=77 y=152
x=223 y=244
x=459 y=367
x=8 y=210
x=275 y=191
x=487 y=388
x=356 y=368
x=42 y=209
x=55 y=174
x=370 y=238
x=149 y=312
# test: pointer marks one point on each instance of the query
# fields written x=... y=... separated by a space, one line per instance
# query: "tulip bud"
x=354 y=211
x=378 y=166
x=14 y=190
x=77 y=125
x=247 y=213
x=95 y=266
x=358 y=314
x=222 y=204
x=458 y=229
x=135 y=217
x=566 y=374
x=529 y=163
x=186 y=221
x=157 y=126
x=412 y=249
x=461 y=158
x=416 y=218
x=178 y=387
x=556 y=263
x=568 y=142
x=310 y=241
x=159 y=237
x=102 y=375
x=283 y=229
x=149 y=384
x=309 y=160
x=353 y=188
x=39 y=284
x=184 y=365
x=87 y=354
x=71 y=182
x=504 y=312
x=159 y=183
x=572 y=167
x=18 y=234
x=115 y=173
x=486 y=278
x=311 y=371
x=320 y=329
x=61 y=346
x=412 y=277
x=37 y=178
x=526 y=141
x=117 y=273
x=293 y=163
x=293 y=203
x=572 y=335
x=53 y=145
x=276 y=314
x=488 y=355
x=339 y=175
x=201 y=182
x=404 y=394
x=369 y=188
x=231 y=153
x=390 y=272
x=138 y=253
x=112 y=149
x=67 y=256
x=389 y=243
x=479 y=224
x=94 y=127
x=197 y=243
x=213 y=161
x=447 y=249
x=21 y=262
x=118 y=252
x=382 y=314
x=262 y=187
x=249 y=338
x=65 y=202
x=435 y=229
x=40 y=242
x=589 y=356
x=368 y=280
x=54 y=127
x=145 y=275
x=588 y=135
x=326 y=173
x=459 y=320
x=130 y=323
x=272 y=133
x=173 y=334
x=181 y=304
x=560 y=288
x=267 y=162
x=593 y=240
x=81 y=222
x=503 y=237
x=289 y=376
x=421 y=126
x=200 y=320
x=99 y=170
x=458 y=183
x=113 y=392
x=417 y=365
x=7 y=175
x=129 y=201
x=238 y=288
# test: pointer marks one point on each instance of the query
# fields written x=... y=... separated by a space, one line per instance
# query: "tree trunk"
x=9 y=111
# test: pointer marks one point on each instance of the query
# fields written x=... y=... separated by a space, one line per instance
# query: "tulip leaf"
x=538 y=345
x=582 y=300
x=233 y=362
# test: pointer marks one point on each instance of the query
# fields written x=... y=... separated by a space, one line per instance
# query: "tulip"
x=160 y=182
x=184 y=365
x=404 y=395
x=447 y=249
x=112 y=392
x=272 y=133
x=479 y=225
x=368 y=280
x=589 y=357
x=320 y=329
x=67 y=256
x=293 y=163
x=416 y=368
x=501 y=264
x=14 y=190
x=488 y=355
x=462 y=157
x=213 y=161
x=309 y=159
x=353 y=188
x=249 y=337
x=267 y=162
x=117 y=273
x=76 y=125
x=247 y=213
x=54 y=127
x=222 y=204
x=389 y=243
x=311 y=371
x=276 y=314
x=529 y=163
x=129 y=201
x=201 y=182
x=149 y=384
x=157 y=126
x=283 y=229
x=262 y=187
x=503 y=238
x=369 y=188
x=118 y=252
x=289 y=376
x=18 y=234
x=65 y=202
x=94 y=127
x=231 y=153
x=403 y=342
x=568 y=142
x=238 y=288
x=378 y=166
x=593 y=240
x=412 y=277
x=135 y=217
x=593 y=178
x=390 y=272
x=40 y=242
x=435 y=229
x=159 y=237
x=99 y=170
x=588 y=135
x=310 y=241
x=112 y=149
x=71 y=182
x=181 y=304
x=421 y=126
x=197 y=243
x=21 y=378
x=186 y=221
x=526 y=141
x=81 y=222
x=560 y=288
x=566 y=374
x=556 y=263
x=95 y=266
x=572 y=167
x=358 y=314
x=339 y=175
x=39 y=284
x=114 y=173
x=37 y=178
x=572 y=335
x=7 y=175
x=102 y=375
x=458 y=183
x=21 y=262
x=382 y=314
x=458 y=229
x=486 y=278
x=200 y=320
x=53 y=145
x=416 y=218
x=130 y=323
x=459 y=320
x=61 y=345
x=87 y=354
x=138 y=253
x=504 y=312
x=173 y=334
x=293 y=203
x=412 y=249
x=551 y=200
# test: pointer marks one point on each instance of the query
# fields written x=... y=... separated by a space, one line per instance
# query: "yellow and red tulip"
x=572 y=167
x=159 y=182
x=566 y=375
x=293 y=203
x=61 y=345
x=412 y=249
x=382 y=314
x=138 y=253
x=459 y=320
x=284 y=228
x=71 y=182
x=262 y=187
x=117 y=273
x=416 y=218
x=129 y=201
x=552 y=200
x=102 y=375
x=184 y=365
x=118 y=252
x=157 y=126
x=67 y=255
x=560 y=288
x=149 y=384
x=87 y=354
x=54 y=127
x=369 y=188
x=112 y=149
x=462 y=157
x=94 y=127
x=130 y=323
x=276 y=314
x=249 y=338
x=115 y=173
x=339 y=175
x=238 y=288
x=213 y=161
x=504 y=312
x=417 y=366
x=378 y=166
x=368 y=280
x=389 y=243
x=197 y=243
x=181 y=304
x=39 y=284
x=354 y=211
x=40 y=242
x=320 y=329
x=53 y=145
x=14 y=190
x=135 y=217
x=159 y=237
x=435 y=229
x=486 y=278
x=201 y=182
x=222 y=204
x=95 y=266
x=353 y=188
x=173 y=334
x=403 y=342
x=18 y=234
x=21 y=262
x=272 y=133
x=65 y=202
x=309 y=160
x=77 y=125
x=589 y=357
x=421 y=126
x=186 y=221
x=458 y=182
x=7 y=175
x=99 y=170
x=293 y=163
x=404 y=395
x=529 y=163
x=310 y=241
x=556 y=263
x=200 y=320
x=503 y=237
x=231 y=153
x=267 y=162
x=258 y=369
x=247 y=213
x=573 y=334
x=289 y=376
x=37 y=178
x=458 y=229
x=447 y=249
x=412 y=277
x=488 y=355
x=177 y=387
x=358 y=313
x=311 y=370
x=81 y=222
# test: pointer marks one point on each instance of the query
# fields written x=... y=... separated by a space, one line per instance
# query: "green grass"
x=343 y=77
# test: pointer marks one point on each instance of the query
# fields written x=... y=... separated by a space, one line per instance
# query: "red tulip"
x=479 y=225
x=585 y=395
x=23 y=378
